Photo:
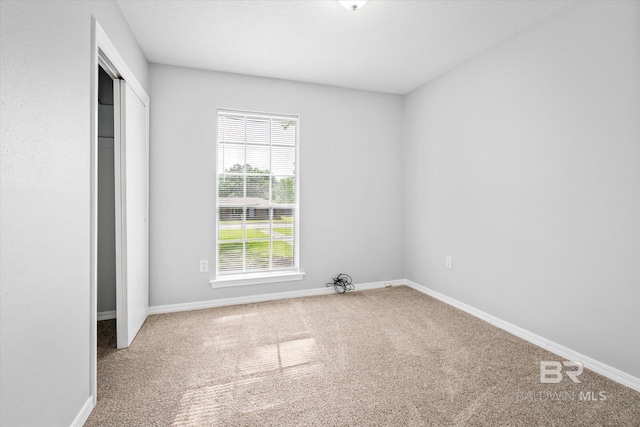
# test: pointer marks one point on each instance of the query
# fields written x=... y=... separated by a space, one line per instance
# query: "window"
x=257 y=203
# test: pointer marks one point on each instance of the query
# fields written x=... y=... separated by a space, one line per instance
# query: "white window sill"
x=255 y=279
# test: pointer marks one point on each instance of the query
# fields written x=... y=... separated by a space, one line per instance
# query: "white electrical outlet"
x=204 y=265
x=448 y=262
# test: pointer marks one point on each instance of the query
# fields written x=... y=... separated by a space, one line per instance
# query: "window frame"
x=223 y=279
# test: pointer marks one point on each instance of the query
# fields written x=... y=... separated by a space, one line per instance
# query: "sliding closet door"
x=132 y=215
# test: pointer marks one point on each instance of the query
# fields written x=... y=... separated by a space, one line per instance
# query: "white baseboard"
x=596 y=366
x=171 y=308
x=84 y=413
x=106 y=315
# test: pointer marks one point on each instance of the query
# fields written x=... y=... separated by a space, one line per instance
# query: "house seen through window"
x=257 y=192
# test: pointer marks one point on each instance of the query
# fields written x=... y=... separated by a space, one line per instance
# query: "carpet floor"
x=384 y=357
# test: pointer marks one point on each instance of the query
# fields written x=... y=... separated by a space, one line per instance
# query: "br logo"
x=551 y=372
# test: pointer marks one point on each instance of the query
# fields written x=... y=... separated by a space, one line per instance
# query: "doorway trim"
x=105 y=54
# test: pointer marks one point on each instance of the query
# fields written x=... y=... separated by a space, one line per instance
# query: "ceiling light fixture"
x=352 y=4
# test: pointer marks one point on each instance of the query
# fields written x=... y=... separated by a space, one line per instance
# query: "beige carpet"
x=383 y=357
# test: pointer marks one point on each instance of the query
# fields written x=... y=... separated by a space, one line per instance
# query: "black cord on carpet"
x=342 y=283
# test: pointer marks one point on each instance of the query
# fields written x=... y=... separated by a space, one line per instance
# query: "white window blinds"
x=257 y=192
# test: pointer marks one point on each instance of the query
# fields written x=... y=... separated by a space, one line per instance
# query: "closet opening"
x=106 y=268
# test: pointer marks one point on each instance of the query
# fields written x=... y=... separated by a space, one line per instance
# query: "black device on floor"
x=342 y=283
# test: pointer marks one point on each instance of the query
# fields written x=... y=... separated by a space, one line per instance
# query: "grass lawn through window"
x=257 y=251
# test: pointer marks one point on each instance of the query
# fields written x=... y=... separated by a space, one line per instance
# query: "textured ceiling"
x=387 y=46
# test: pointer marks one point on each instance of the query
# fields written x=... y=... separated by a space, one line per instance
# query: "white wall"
x=45 y=203
x=350 y=175
x=524 y=165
